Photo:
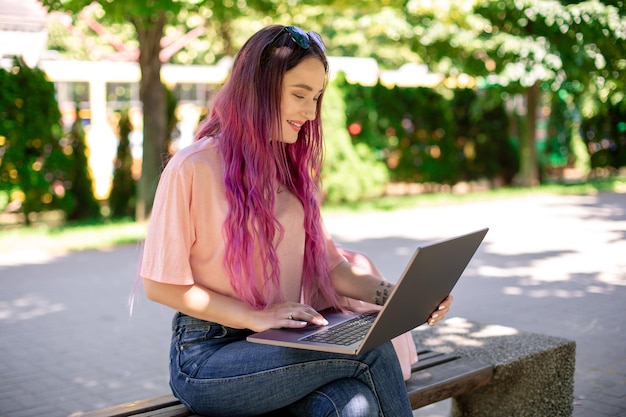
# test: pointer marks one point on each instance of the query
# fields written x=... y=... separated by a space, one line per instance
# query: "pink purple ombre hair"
x=244 y=116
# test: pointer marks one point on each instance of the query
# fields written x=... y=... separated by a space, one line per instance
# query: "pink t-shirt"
x=185 y=244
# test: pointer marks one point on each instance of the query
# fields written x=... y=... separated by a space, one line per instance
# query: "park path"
x=549 y=264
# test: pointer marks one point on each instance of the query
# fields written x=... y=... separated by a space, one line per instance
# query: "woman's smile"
x=296 y=124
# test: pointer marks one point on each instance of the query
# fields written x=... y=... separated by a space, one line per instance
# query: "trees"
x=35 y=159
x=149 y=19
x=523 y=47
x=85 y=204
x=123 y=197
x=526 y=46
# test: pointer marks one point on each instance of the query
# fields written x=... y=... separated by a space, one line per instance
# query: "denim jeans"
x=214 y=371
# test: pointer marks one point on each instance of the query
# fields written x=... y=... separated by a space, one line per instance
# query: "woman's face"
x=302 y=87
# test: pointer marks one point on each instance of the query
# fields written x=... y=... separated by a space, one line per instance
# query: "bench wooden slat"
x=163 y=405
x=453 y=376
x=429 y=359
x=177 y=410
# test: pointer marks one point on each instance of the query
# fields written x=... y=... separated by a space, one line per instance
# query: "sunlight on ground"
x=44 y=245
x=493 y=330
x=28 y=307
x=460 y=332
x=24 y=256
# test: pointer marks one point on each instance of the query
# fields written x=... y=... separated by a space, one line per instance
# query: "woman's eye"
x=299 y=97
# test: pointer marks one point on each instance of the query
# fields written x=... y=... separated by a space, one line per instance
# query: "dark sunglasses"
x=300 y=37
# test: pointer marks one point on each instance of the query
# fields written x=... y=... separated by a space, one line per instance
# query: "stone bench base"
x=533 y=373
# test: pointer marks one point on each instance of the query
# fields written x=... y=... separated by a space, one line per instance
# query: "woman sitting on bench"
x=236 y=245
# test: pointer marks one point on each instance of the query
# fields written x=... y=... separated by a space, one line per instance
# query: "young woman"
x=236 y=245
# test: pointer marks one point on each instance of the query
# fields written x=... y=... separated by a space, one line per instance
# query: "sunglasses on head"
x=300 y=37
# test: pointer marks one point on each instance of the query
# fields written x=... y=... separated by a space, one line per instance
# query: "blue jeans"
x=214 y=371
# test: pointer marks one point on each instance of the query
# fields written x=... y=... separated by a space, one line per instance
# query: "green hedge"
x=350 y=173
x=424 y=136
x=41 y=168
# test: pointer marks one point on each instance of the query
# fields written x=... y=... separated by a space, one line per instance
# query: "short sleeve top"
x=185 y=242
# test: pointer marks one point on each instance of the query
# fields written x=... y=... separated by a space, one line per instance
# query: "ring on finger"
x=290 y=317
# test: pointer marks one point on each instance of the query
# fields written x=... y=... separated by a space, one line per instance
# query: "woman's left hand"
x=439 y=314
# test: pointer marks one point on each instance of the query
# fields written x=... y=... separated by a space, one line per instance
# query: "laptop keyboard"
x=345 y=333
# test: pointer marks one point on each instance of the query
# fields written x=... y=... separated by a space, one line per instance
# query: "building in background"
x=23 y=30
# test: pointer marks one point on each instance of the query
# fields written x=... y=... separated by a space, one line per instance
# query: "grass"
x=390 y=203
x=80 y=236
x=103 y=234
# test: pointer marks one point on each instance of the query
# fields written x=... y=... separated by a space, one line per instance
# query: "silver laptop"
x=428 y=278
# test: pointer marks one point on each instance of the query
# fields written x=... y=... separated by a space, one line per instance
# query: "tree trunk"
x=529 y=165
x=152 y=95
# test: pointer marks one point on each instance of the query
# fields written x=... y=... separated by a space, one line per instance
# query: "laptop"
x=428 y=278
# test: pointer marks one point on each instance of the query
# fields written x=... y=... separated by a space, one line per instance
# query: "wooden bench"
x=435 y=377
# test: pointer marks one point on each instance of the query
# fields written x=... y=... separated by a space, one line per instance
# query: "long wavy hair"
x=245 y=115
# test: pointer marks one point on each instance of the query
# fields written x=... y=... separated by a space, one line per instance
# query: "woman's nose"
x=310 y=111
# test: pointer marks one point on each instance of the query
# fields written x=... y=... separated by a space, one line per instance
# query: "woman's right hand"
x=197 y=301
x=287 y=314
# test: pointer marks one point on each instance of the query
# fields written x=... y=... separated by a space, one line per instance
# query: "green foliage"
x=355 y=32
x=218 y=28
x=574 y=45
x=172 y=119
x=351 y=173
x=123 y=196
x=425 y=137
x=605 y=136
x=481 y=129
x=559 y=131
x=598 y=46
x=577 y=45
x=520 y=42
x=85 y=204
x=89 y=46
x=35 y=159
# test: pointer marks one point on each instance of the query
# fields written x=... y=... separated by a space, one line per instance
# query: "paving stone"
x=550 y=264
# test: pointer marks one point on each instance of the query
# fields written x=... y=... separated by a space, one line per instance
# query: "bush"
x=425 y=136
x=123 y=197
x=86 y=206
x=35 y=158
x=482 y=132
x=351 y=173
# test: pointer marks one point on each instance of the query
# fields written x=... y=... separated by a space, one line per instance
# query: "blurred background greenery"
x=468 y=97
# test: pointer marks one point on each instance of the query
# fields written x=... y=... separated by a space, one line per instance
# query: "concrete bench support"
x=533 y=373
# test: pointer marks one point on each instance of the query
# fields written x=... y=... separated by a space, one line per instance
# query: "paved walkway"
x=552 y=265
